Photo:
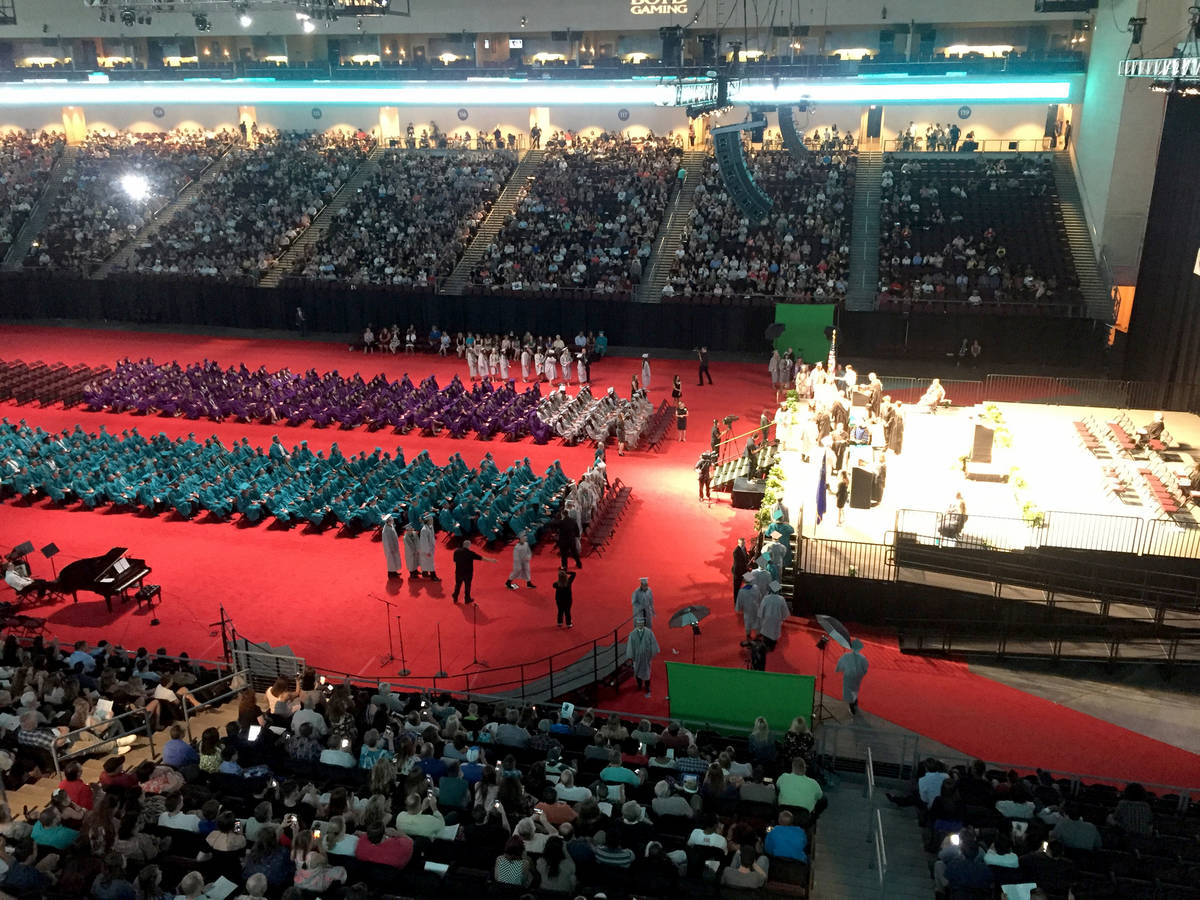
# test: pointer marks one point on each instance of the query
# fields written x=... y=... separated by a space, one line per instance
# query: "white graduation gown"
x=853 y=666
x=411 y=550
x=426 y=545
x=643 y=606
x=646 y=374
x=771 y=613
x=641 y=650
x=520 y=567
x=391 y=547
x=747 y=605
x=525 y=365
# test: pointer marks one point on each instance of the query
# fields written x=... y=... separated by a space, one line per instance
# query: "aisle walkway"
x=845 y=862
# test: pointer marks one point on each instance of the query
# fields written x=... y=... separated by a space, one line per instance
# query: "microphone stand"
x=822 y=713
x=404 y=670
x=441 y=672
x=390 y=657
x=475 y=660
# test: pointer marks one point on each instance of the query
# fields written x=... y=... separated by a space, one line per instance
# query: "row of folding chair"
x=607 y=515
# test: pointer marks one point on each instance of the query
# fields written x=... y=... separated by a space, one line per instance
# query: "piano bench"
x=148 y=592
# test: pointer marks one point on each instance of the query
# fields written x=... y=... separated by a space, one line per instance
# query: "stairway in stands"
x=322 y=220
x=864 y=240
x=19 y=248
x=505 y=204
x=670 y=234
x=119 y=261
x=1096 y=292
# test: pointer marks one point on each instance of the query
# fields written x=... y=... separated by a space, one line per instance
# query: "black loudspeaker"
x=731 y=160
x=748 y=493
x=793 y=140
x=862 y=487
x=981 y=450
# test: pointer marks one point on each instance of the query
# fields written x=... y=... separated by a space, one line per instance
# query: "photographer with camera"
x=704 y=467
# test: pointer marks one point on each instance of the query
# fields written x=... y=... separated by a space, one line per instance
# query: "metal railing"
x=903 y=752
x=1055 y=529
x=95 y=740
x=851 y=558
x=235 y=688
x=879 y=863
x=916 y=145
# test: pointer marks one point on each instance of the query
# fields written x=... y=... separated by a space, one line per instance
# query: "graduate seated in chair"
x=934 y=397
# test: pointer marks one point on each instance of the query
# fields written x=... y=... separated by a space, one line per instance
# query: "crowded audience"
x=799 y=253
x=983 y=233
x=26 y=159
x=264 y=197
x=588 y=220
x=410 y=223
x=118 y=181
x=338 y=790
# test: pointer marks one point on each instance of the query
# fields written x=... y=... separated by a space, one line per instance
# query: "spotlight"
x=245 y=21
x=524 y=21
x=309 y=26
x=136 y=187
x=1136 y=24
x=202 y=23
x=128 y=16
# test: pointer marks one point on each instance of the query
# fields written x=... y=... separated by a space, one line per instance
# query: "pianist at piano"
x=20 y=582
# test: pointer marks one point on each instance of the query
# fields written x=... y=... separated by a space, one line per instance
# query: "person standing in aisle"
x=427 y=544
x=522 y=554
x=464 y=569
x=391 y=548
x=646 y=371
x=702 y=354
x=563 y=597
x=641 y=650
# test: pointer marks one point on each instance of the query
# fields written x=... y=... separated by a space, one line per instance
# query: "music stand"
x=834 y=631
x=50 y=551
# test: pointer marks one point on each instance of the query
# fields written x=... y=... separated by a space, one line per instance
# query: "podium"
x=862 y=487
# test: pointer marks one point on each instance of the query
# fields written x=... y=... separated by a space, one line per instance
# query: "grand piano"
x=109 y=575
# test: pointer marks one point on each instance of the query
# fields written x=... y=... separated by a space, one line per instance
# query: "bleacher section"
x=978 y=234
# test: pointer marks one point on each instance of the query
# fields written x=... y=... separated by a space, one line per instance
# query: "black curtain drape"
x=1163 y=343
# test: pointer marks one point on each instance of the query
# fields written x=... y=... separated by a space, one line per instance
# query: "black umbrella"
x=690 y=616
x=836 y=630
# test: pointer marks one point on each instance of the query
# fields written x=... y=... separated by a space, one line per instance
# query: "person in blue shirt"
x=787 y=840
x=177 y=752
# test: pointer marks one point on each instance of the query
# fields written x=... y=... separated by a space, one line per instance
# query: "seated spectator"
x=787 y=840
x=420 y=817
x=960 y=864
x=513 y=866
x=748 y=870
x=797 y=789
x=75 y=787
x=555 y=811
x=1075 y=832
x=566 y=789
x=761 y=744
x=49 y=831
x=676 y=738
x=177 y=752
x=377 y=846
x=317 y=875
x=555 y=869
x=337 y=753
x=1133 y=814
x=1048 y=867
x=225 y=838
x=610 y=851
x=668 y=803
x=268 y=858
x=616 y=773
x=709 y=834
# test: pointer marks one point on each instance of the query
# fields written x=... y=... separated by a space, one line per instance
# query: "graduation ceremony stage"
x=313 y=590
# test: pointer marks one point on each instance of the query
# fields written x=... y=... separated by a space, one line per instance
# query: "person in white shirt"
x=176 y=818
x=709 y=835
x=313 y=718
x=337 y=754
x=566 y=789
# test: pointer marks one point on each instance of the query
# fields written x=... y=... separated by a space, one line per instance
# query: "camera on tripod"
x=706 y=460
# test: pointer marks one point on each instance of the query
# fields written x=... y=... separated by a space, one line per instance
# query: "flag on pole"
x=822 y=492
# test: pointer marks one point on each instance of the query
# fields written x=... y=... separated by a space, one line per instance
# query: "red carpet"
x=314 y=592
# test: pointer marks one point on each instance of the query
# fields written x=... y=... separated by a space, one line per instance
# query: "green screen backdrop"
x=733 y=698
x=805 y=329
